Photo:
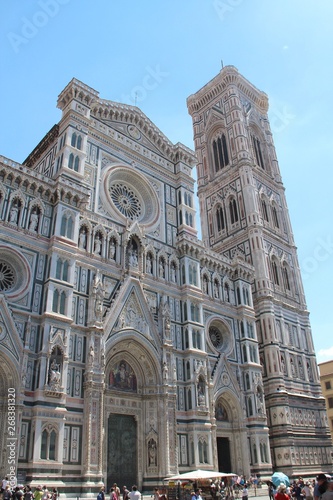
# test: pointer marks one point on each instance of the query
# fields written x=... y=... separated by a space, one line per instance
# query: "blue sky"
x=156 y=54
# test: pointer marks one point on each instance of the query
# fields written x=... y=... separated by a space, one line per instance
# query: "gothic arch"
x=2 y=198
x=9 y=385
x=265 y=207
x=232 y=405
x=219 y=217
x=145 y=364
x=258 y=145
x=100 y=229
x=163 y=261
x=206 y=281
x=287 y=276
x=85 y=223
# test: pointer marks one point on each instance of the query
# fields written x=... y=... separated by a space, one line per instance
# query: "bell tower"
x=244 y=214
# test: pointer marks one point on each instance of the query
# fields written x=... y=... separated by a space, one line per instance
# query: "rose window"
x=215 y=337
x=15 y=273
x=126 y=200
x=220 y=337
x=7 y=276
x=129 y=195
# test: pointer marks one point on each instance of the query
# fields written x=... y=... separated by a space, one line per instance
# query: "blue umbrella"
x=278 y=478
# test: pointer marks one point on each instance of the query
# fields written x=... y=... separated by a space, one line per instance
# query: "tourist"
x=307 y=491
x=113 y=495
x=328 y=495
x=38 y=493
x=28 y=494
x=125 y=493
x=7 y=494
x=116 y=490
x=4 y=484
x=281 y=493
x=134 y=494
x=245 y=493
x=101 y=494
x=320 y=486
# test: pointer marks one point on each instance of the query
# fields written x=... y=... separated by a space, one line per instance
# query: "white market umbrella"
x=199 y=474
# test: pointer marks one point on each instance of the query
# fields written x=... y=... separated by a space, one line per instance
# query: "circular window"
x=126 y=200
x=216 y=337
x=220 y=337
x=15 y=272
x=7 y=276
x=128 y=195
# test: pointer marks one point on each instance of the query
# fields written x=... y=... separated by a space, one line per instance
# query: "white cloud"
x=325 y=355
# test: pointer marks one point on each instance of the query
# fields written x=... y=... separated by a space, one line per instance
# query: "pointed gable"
x=10 y=341
x=130 y=311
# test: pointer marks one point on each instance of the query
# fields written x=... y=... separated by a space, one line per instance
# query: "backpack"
x=100 y=496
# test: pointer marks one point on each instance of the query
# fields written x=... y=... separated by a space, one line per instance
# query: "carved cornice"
x=228 y=76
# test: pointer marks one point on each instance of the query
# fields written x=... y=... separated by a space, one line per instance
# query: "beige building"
x=131 y=350
x=326 y=380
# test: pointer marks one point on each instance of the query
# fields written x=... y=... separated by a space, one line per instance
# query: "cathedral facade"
x=132 y=350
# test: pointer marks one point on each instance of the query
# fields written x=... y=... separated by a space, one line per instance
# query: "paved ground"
x=260 y=494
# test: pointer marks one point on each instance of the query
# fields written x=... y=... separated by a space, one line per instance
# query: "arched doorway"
x=9 y=417
x=231 y=437
x=133 y=404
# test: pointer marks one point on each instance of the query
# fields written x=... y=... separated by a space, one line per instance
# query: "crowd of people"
x=115 y=493
x=21 y=492
x=320 y=488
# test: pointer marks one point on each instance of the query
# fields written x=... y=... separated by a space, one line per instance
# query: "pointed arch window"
x=203 y=455
x=275 y=217
x=189 y=399
x=188 y=370
x=185 y=311
x=239 y=300
x=59 y=302
x=79 y=142
x=196 y=339
x=275 y=273
x=257 y=151
x=186 y=339
x=264 y=210
x=250 y=407
x=220 y=219
x=73 y=162
x=227 y=292
x=66 y=228
x=188 y=199
x=245 y=354
x=220 y=153
x=193 y=274
x=233 y=211
x=76 y=141
x=62 y=270
x=195 y=312
x=285 y=277
x=48 y=445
